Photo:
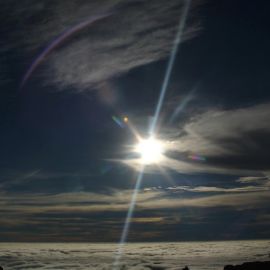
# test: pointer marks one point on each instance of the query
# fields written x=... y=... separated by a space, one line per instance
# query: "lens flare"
x=58 y=41
x=196 y=157
x=177 y=41
x=150 y=150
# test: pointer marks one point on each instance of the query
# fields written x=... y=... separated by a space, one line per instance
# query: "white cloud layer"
x=171 y=256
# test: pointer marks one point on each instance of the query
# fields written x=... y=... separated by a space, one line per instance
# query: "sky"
x=71 y=71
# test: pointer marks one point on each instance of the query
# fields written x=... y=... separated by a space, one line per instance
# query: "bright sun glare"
x=150 y=150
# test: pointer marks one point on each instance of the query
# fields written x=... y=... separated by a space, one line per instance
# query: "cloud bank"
x=171 y=256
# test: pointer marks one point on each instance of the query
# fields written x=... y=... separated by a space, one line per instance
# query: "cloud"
x=78 y=215
x=138 y=33
x=37 y=180
x=227 y=132
x=138 y=256
x=253 y=179
x=242 y=201
x=249 y=197
x=147 y=219
x=12 y=179
x=232 y=142
x=220 y=189
x=230 y=139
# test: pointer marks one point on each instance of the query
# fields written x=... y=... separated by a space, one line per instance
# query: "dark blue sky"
x=66 y=171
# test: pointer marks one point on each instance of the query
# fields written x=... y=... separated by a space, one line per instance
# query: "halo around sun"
x=150 y=150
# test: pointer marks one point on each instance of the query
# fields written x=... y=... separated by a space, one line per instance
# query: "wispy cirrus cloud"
x=137 y=33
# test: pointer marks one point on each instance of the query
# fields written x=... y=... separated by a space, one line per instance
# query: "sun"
x=150 y=150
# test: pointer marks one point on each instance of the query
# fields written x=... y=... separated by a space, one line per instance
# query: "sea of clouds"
x=171 y=256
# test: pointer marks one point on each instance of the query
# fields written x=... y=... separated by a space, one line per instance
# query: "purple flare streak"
x=58 y=41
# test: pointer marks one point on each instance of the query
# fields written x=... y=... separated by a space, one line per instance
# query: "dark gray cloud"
x=228 y=132
x=137 y=33
x=235 y=139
